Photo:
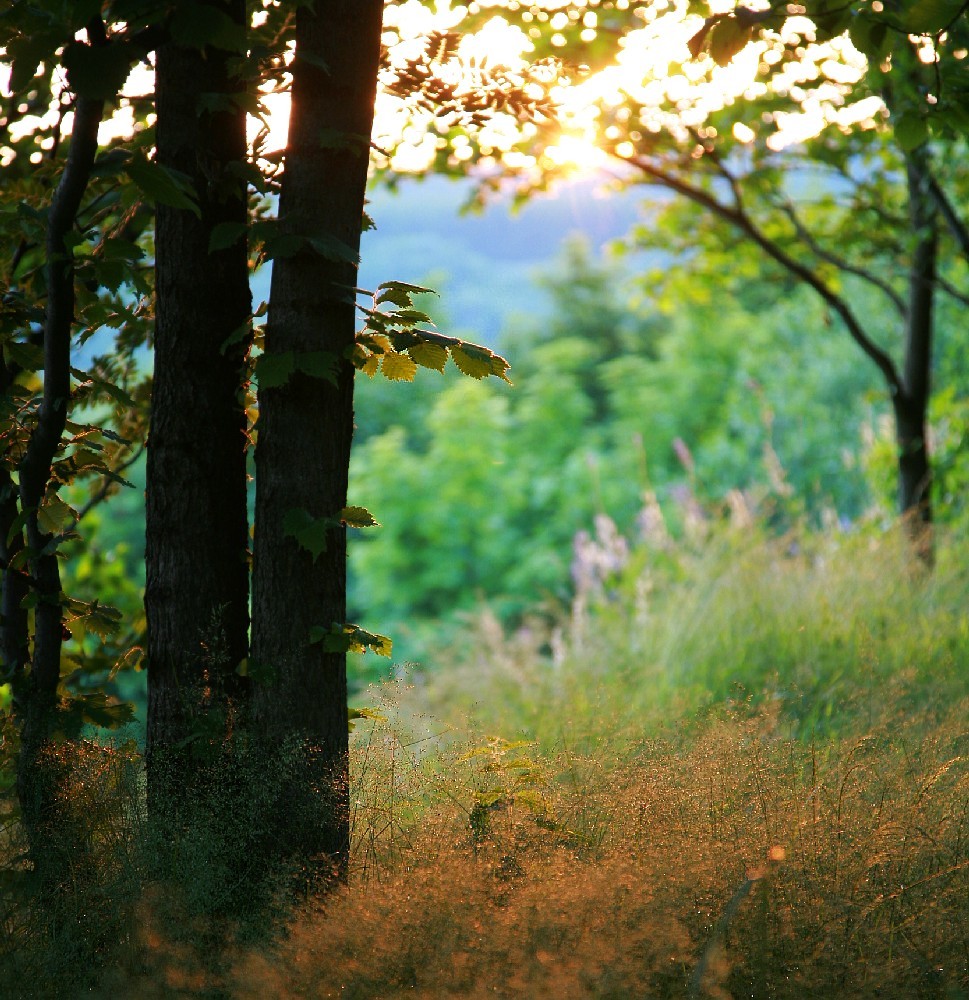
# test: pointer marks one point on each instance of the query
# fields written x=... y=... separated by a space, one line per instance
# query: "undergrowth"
x=738 y=769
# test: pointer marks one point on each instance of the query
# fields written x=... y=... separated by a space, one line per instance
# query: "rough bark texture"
x=305 y=427
x=912 y=401
x=196 y=595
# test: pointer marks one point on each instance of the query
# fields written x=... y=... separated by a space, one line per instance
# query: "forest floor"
x=737 y=770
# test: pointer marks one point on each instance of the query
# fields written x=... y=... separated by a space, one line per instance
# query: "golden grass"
x=733 y=863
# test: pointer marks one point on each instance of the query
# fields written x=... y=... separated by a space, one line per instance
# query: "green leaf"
x=96 y=72
x=398 y=367
x=274 y=370
x=697 y=42
x=911 y=131
x=333 y=138
x=314 y=59
x=107 y=388
x=115 y=248
x=727 y=38
x=871 y=37
x=96 y=709
x=102 y=619
x=26 y=52
x=400 y=293
x=428 y=355
x=55 y=515
x=328 y=246
x=410 y=317
x=349 y=638
x=238 y=335
x=196 y=25
x=319 y=364
x=226 y=234
x=29 y=357
x=162 y=185
x=17 y=526
x=927 y=17
x=474 y=362
x=357 y=517
x=311 y=533
x=353 y=714
x=499 y=367
x=282 y=245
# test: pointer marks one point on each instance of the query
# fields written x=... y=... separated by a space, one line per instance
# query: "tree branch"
x=951 y=290
x=739 y=218
x=948 y=212
x=102 y=492
x=832 y=258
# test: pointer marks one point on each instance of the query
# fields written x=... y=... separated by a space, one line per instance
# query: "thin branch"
x=742 y=221
x=839 y=262
x=956 y=226
x=106 y=483
x=951 y=290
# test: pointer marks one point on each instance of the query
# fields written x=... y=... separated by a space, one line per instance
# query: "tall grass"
x=821 y=626
x=736 y=768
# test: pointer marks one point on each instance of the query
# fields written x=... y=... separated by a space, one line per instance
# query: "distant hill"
x=483 y=264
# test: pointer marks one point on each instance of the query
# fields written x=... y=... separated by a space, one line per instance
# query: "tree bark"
x=35 y=691
x=912 y=400
x=197 y=587
x=305 y=427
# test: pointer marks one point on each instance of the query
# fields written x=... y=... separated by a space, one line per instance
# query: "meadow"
x=735 y=768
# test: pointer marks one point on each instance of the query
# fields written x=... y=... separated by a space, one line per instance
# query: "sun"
x=653 y=73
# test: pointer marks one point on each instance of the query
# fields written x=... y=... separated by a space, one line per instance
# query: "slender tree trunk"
x=38 y=777
x=912 y=401
x=305 y=427
x=197 y=593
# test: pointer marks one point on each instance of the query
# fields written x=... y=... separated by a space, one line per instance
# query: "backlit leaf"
x=428 y=355
x=472 y=363
x=357 y=517
x=360 y=713
x=727 y=38
x=54 y=515
x=398 y=367
x=349 y=638
x=400 y=293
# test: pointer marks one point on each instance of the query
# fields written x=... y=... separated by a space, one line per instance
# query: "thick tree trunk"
x=197 y=593
x=305 y=427
x=912 y=401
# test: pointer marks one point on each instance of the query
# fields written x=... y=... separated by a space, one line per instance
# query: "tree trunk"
x=912 y=401
x=38 y=780
x=197 y=591
x=305 y=427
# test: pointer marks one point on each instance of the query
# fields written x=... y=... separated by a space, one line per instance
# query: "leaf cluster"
x=396 y=339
